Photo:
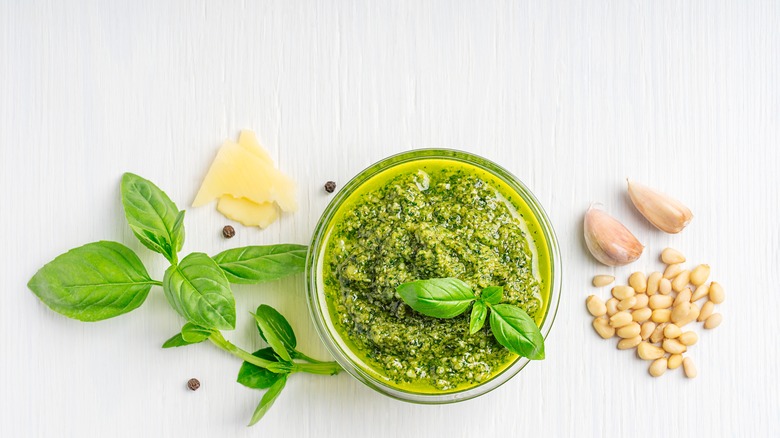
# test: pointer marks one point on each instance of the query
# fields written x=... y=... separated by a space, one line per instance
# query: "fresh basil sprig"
x=102 y=280
x=450 y=297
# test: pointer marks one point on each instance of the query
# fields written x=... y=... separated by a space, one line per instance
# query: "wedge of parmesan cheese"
x=249 y=187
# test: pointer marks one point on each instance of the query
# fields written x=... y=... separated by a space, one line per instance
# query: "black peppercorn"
x=228 y=231
x=330 y=186
x=193 y=384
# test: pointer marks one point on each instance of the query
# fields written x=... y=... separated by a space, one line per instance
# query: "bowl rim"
x=320 y=316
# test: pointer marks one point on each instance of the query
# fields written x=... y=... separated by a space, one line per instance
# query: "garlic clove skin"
x=666 y=213
x=608 y=240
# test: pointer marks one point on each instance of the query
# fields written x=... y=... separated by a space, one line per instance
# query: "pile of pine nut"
x=650 y=313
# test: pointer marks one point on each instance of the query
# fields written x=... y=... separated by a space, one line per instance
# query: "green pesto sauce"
x=430 y=219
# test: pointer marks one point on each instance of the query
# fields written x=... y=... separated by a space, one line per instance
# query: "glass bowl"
x=318 y=307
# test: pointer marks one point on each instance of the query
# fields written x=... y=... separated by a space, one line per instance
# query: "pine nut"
x=706 y=311
x=620 y=319
x=688 y=338
x=671 y=256
x=671 y=331
x=658 y=367
x=612 y=306
x=658 y=333
x=693 y=313
x=673 y=270
x=627 y=344
x=673 y=346
x=660 y=302
x=675 y=361
x=641 y=301
x=683 y=297
x=689 y=368
x=602 y=327
x=647 y=351
x=713 y=321
x=627 y=303
x=680 y=311
x=603 y=280
x=641 y=315
x=596 y=307
x=661 y=315
x=653 y=282
x=717 y=294
x=700 y=274
x=629 y=331
x=681 y=280
x=647 y=329
x=665 y=286
x=623 y=292
x=701 y=292
x=638 y=281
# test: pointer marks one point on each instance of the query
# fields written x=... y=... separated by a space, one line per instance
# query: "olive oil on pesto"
x=425 y=219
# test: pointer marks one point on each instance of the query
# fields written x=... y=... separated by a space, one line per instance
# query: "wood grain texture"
x=573 y=97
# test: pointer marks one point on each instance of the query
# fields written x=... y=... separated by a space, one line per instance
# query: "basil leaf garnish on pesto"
x=478 y=314
x=437 y=297
x=516 y=331
x=449 y=297
x=492 y=294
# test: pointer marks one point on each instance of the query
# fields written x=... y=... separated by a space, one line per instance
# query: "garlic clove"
x=608 y=240
x=667 y=214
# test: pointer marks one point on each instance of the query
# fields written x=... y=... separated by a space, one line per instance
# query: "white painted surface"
x=571 y=96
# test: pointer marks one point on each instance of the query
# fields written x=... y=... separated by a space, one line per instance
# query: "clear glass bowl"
x=318 y=305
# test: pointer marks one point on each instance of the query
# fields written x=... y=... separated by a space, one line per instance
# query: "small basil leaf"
x=437 y=297
x=268 y=329
x=176 y=341
x=198 y=290
x=268 y=399
x=96 y=281
x=258 y=264
x=194 y=333
x=492 y=294
x=252 y=376
x=478 y=315
x=516 y=331
x=153 y=217
x=279 y=325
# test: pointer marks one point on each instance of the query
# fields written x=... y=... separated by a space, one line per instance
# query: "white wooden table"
x=573 y=97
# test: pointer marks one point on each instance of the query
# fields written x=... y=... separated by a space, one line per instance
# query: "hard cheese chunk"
x=246 y=172
x=247 y=212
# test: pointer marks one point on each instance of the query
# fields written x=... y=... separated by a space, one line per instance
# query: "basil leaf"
x=279 y=325
x=258 y=264
x=252 y=376
x=93 y=282
x=268 y=399
x=176 y=341
x=153 y=217
x=516 y=331
x=492 y=294
x=272 y=332
x=478 y=315
x=437 y=297
x=198 y=290
x=194 y=333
